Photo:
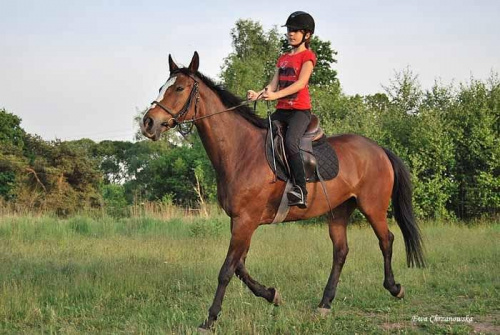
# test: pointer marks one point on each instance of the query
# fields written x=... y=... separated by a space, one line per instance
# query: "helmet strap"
x=304 y=39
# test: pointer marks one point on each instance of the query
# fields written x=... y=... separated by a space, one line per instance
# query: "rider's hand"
x=252 y=95
x=270 y=95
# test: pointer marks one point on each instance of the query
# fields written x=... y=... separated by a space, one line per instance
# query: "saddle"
x=319 y=157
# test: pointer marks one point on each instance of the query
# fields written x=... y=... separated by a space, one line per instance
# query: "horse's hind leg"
x=378 y=221
x=270 y=294
x=338 y=235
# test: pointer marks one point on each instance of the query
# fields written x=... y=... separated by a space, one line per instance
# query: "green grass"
x=134 y=276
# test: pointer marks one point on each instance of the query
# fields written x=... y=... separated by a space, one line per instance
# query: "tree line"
x=447 y=135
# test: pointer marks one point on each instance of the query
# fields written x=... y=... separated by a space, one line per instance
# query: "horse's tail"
x=403 y=211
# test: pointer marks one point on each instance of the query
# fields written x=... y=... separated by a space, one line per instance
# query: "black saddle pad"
x=326 y=157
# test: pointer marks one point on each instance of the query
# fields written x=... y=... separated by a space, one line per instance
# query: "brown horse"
x=234 y=139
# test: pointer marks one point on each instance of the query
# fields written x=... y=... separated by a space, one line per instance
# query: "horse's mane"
x=228 y=99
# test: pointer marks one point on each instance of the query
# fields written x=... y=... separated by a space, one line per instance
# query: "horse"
x=234 y=138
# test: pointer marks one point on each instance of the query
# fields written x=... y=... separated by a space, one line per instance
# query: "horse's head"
x=176 y=101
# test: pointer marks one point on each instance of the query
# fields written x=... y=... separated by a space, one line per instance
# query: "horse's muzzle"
x=153 y=129
x=150 y=129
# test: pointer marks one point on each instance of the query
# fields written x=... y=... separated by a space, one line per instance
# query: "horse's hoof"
x=401 y=293
x=206 y=327
x=324 y=312
x=204 y=331
x=277 y=298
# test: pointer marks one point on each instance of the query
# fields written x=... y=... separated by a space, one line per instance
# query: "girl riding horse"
x=289 y=86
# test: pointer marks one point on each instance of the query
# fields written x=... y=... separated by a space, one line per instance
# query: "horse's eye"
x=179 y=88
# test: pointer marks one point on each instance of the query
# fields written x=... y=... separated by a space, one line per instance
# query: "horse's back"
x=352 y=140
x=361 y=159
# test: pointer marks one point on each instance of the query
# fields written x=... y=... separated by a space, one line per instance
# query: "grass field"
x=147 y=276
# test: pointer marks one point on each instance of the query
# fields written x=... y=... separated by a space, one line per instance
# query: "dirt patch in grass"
x=395 y=326
x=486 y=328
x=486 y=325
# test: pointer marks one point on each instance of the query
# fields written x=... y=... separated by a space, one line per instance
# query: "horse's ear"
x=195 y=63
x=173 y=67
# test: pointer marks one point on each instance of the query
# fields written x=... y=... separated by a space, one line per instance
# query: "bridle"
x=175 y=121
x=194 y=95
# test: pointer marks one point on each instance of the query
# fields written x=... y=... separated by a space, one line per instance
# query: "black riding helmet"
x=300 y=20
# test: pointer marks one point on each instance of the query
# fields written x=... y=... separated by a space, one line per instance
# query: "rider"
x=290 y=87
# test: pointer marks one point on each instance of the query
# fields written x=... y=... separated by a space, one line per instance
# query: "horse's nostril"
x=148 y=123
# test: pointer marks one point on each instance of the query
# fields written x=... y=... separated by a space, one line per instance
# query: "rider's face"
x=295 y=37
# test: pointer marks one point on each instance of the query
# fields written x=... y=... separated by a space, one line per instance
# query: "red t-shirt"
x=289 y=69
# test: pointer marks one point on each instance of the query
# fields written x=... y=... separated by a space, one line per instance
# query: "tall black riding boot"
x=297 y=196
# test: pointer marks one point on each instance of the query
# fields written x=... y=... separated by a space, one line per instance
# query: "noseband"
x=175 y=119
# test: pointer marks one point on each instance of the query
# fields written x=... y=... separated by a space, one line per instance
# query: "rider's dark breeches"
x=297 y=121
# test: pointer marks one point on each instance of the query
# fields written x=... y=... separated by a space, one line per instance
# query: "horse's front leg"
x=241 y=234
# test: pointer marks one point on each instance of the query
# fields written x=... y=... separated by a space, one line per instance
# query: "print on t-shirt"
x=287 y=76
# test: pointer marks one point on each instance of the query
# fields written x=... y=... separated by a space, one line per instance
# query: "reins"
x=175 y=121
x=244 y=103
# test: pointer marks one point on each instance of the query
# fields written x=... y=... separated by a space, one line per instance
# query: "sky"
x=83 y=69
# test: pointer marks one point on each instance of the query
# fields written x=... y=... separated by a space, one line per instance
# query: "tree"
x=113 y=160
x=473 y=119
x=36 y=174
x=61 y=177
x=251 y=64
x=431 y=155
x=11 y=155
x=404 y=91
x=11 y=132
x=183 y=172
x=114 y=199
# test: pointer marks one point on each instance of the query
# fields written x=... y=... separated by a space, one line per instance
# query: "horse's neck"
x=227 y=137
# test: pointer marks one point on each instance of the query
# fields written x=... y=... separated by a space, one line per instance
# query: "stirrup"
x=296 y=197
